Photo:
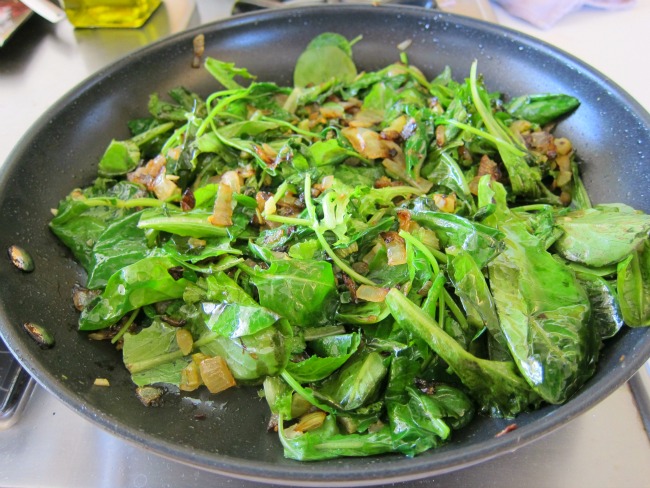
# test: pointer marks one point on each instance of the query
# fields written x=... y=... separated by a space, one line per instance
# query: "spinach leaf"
x=417 y=425
x=633 y=283
x=543 y=311
x=304 y=292
x=142 y=283
x=327 y=57
x=251 y=358
x=146 y=348
x=316 y=368
x=327 y=442
x=496 y=386
x=79 y=223
x=356 y=384
x=474 y=293
x=606 y=317
x=602 y=235
x=121 y=157
x=541 y=108
x=483 y=243
x=122 y=243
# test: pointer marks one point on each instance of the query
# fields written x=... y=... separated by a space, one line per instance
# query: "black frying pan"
x=226 y=434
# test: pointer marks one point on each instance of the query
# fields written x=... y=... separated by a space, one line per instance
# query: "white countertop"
x=42 y=62
x=613 y=42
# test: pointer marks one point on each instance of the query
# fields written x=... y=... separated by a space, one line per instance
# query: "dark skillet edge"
x=387 y=469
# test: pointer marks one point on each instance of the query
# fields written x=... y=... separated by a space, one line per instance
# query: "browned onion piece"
x=222 y=211
x=395 y=248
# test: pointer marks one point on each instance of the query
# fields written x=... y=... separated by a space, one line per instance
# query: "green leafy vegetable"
x=383 y=253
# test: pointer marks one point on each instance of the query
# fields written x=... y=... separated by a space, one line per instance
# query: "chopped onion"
x=371 y=293
x=233 y=179
x=153 y=175
x=190 y=377
x=216 y=375
x=310 y=421
x=395 y=248
x=222 y=212
x=185 y=341
x=367 y=142
x=446 y=203
x=563 y=146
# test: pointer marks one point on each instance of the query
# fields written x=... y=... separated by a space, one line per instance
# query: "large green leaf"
x=633 y=285
x=496 y=386
x=602 y=235
x=544 y=315
x=142 y=283
x=304 y=292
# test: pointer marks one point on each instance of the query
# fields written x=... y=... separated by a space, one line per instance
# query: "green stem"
x=485 y=135
x=125 y=327
x=151 y=134
x=531 y=208
x=432 y=255
x=457 y=313
x=287 y=220
x=295 y=129
x=133 y=203
x=306 y=393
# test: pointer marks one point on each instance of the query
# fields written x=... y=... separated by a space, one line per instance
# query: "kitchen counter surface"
x=605 y=447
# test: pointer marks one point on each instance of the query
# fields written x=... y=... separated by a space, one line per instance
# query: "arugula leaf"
x=225 y=73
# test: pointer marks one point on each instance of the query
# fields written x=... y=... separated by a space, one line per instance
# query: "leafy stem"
x=132 y=203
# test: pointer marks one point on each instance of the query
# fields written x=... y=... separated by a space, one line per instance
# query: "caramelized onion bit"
x=368 y=143
x=153 y=175
x=222 y=211
x=216 y=375
x=310 y=421
x=188 y=201
x=395 y=248
x=371 y=293
x=445 y=203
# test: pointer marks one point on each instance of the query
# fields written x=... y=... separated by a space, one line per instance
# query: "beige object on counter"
x=546 y=13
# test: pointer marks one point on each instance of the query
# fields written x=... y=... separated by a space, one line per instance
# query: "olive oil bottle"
x=109 y=13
